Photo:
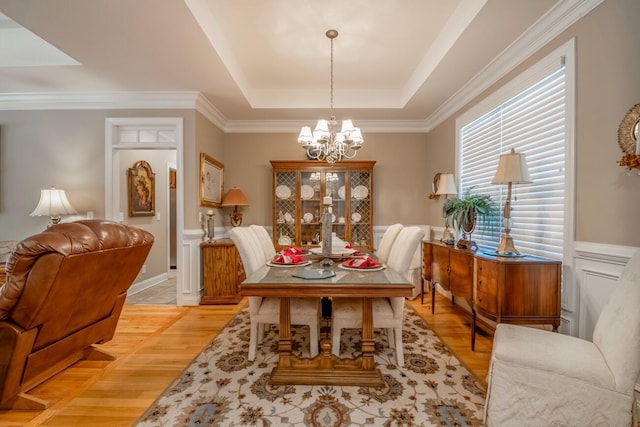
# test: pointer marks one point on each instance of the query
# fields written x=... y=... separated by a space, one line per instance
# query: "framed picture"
x=142 y=184
x=211 y=181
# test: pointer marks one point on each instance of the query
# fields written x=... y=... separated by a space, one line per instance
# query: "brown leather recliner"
x=64 y=292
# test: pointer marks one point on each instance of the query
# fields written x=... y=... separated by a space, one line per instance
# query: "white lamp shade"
x=356 y=136
x=54 y=203
x=512 y=167
x=322 y=126
x=305 y=137
x=347 y=126
x=446 y=185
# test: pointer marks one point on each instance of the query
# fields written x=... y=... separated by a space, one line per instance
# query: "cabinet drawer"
x=486 y=301
x=487 y=280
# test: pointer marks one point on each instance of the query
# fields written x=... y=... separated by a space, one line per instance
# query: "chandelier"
x=325 y=143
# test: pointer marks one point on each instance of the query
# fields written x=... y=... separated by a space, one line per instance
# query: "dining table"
x=326 y=368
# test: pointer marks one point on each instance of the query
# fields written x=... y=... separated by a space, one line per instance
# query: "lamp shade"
x=512 y=167
x=53 y=203
x=235 y=197
x=446 y=185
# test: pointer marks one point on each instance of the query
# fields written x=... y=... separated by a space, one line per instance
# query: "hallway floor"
x=161 y=294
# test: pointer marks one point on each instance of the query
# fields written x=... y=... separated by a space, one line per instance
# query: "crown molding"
x=289 y=126
x=564 y=14
x=548 y=27
x=97 y=100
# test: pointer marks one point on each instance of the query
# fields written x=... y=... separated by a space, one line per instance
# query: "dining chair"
x=388 y=313
x=386 y=242
x=304 y=311
x=543 y=378
x=266 y=243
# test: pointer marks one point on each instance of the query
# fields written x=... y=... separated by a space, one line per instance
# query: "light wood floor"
x=154 y=343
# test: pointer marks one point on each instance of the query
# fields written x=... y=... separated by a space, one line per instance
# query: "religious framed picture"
x=211 y=181
x=141 y=188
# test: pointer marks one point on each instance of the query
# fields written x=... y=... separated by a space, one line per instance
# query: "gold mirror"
x=628 y=135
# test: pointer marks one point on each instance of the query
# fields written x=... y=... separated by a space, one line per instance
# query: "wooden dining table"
x=326 y=368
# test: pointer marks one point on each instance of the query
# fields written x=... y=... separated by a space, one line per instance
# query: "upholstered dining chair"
x=304 y=311
x=266 y=243
x=388 y=313
x=389 y=236
x=542 y=378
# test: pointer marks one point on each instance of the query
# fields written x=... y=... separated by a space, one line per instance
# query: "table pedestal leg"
x=326 y=368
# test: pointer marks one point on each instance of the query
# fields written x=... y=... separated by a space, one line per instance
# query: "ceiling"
x=259 y=61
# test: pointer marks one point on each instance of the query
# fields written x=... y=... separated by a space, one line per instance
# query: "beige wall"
x=66 y=148
x=608 y=85
x=157 y=261
x=400 y=177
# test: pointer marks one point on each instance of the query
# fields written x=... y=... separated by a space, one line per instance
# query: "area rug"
x=222 y=388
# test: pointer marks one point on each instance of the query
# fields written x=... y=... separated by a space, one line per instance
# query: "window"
x=531 y=114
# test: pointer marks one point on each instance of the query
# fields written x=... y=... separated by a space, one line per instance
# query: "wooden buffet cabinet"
x=522 y=290
x=222 y=272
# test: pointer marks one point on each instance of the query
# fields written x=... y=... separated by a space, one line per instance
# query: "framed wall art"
x=211 y=181
x=141 y=188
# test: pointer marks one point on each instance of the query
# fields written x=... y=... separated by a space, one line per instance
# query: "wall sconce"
x=512 y=169
x=444 y=185
x=53 y=203
x=235 y=197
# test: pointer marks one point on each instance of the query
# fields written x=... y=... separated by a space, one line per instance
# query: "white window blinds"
x=533 y=123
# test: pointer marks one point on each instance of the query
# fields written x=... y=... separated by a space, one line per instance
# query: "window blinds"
x=533 y=123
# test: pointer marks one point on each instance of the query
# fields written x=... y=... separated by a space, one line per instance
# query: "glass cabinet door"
x=361 y=209
x=284 y=232
x=335 y=187
x=310 y=208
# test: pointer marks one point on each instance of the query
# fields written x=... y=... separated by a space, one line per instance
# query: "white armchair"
x=541 y=378
x=304 y=311
x=388 y=313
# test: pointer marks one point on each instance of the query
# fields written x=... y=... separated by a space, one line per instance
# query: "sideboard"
x=522 y=290
x=222 y=272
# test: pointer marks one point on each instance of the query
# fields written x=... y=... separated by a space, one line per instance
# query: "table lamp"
x=53 y=203
x=446 y=185
x=512 y=169
x=235 y=197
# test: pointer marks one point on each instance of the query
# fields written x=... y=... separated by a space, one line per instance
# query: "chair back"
x=617 y=331
x=266 y=243
x=249 y=248
x=404 y=248
x=389 y=236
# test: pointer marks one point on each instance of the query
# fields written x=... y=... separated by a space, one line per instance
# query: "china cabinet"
x=299 y=188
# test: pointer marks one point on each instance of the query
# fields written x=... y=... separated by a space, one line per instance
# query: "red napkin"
x=293 y=250
x=287 y=259
x=348 y=245
x=364 y=262
x=359 y=253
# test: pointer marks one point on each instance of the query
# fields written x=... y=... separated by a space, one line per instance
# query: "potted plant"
x=463 y=214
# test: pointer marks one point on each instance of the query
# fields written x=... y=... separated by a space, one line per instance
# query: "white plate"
x=341 y=192
x=288 y=217
x=284 y=240
x=355 y=217
x=283 y=192
x=306 y=192
x=344 y=267
x=333 y=217
x=302 y=264
x=308 y=217
x=360 y=192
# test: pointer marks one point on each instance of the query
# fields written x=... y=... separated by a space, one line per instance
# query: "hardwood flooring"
x=154 y=343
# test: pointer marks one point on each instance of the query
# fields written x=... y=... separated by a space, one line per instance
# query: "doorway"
x=160 y=140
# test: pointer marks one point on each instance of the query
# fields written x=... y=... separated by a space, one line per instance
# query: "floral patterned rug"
x=222 y=388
